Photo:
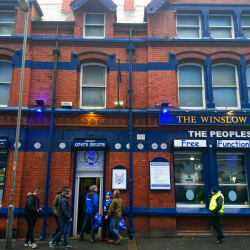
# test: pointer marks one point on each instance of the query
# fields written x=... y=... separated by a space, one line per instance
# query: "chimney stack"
x=65 y=6
x=129 y=4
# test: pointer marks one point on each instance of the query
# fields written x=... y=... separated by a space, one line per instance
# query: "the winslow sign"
x=204 y=120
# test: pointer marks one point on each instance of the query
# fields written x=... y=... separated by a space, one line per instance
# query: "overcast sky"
x=138 y=2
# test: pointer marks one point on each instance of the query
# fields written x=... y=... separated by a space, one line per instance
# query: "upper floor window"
x=94 y=25
x=191 y=90
x=245 y=21
x=221 y=26
x=188 y=26
x=5 y=81
x=7 y=22
x=93 y=86
x=225 y=86
x=248 y=80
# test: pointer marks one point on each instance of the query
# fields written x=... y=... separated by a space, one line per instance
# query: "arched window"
x=5 y=81
x=93 y=86
x=248 y=80
x=191 y=86
x=225 y=86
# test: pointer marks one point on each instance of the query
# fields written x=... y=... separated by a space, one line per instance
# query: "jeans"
x=215 y=223
x=64 y=230
x=114 y=226
x=89 y=219
x=58 y=228
x=31 y=221
x=106 y=224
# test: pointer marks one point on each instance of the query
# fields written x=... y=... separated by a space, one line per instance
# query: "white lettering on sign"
x=233 y=144
x=219 y=134
x=190 y=143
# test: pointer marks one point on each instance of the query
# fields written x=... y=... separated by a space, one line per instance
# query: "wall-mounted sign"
x=90 y=144
x=190 y=143
x=233 y=144
x=214 y=120
x=3 y=142
x=90 y=159
x=141 y=137
x=119 y=178
x=219 y=134
x=159 y=174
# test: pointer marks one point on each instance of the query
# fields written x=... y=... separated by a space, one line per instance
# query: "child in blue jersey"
x=106 y=222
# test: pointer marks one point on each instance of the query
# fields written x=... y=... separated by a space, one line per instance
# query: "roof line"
x=109 y=4
x=154 y=5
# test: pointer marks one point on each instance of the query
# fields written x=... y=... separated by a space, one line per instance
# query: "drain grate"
x=132 y=245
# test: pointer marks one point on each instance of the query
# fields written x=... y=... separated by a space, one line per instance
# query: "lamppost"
x=25 y=7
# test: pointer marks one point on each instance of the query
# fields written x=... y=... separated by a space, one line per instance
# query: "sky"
x=138 y=2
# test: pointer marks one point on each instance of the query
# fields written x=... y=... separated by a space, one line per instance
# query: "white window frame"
x=192 y=86
x=189 y=26
x=224 y=27
x=88 y=86
x=84 y=24
x=245 y=27
x=7 y=22
x=4 y=106
x=229 y=86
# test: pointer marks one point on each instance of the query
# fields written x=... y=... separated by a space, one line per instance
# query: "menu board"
x=160 y=176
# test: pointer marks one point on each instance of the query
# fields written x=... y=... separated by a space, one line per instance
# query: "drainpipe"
x=56 y=52
x=130 y=49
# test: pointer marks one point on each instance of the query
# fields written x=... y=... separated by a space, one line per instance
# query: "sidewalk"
x=147 y=244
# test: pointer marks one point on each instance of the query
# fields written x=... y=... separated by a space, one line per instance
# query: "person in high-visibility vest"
x=216 y=209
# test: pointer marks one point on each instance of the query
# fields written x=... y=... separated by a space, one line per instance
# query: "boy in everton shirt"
x=106 y=221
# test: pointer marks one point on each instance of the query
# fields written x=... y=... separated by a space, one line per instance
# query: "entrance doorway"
x=84 y=185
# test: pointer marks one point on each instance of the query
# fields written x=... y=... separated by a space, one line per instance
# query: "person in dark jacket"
x=216 y=209
x=56 y=204
x=64 y=218
x=31 y=211
x=91 y=210
x=106 y=222
x=83 y=204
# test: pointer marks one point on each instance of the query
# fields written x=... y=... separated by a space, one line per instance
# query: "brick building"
x=187 y=66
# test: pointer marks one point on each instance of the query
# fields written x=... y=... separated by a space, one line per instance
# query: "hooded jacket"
x=91 y=203
x=56 y=203
x=30 y=206
x=106 y=204
x=64 y=213
x=115 y=208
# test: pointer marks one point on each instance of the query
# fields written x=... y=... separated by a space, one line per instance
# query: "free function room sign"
x=190 y=143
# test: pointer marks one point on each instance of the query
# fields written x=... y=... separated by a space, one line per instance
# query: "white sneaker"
x=27 y=244
x=34 y=245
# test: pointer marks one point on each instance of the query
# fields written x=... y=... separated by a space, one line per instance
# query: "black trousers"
x=31 y=221
x=105 y=226
x=89 y=220
x=58 y=228
x=215 y=223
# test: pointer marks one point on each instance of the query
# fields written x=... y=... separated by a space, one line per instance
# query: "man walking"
x=56 y=204
x=91 y=210
x=31 y=211
x=115 y=213
x=64 y=218
x=216 y=208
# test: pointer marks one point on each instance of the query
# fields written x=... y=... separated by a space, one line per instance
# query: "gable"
x=109 y=4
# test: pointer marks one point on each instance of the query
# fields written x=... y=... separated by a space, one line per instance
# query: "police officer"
x=216 y=209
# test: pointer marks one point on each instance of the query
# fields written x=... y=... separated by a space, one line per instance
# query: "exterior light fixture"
x=165 y=108
x=39 y=106
x=24 y=5
x=120 y=103
x=192 y=158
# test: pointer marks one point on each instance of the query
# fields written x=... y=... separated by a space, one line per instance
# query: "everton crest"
x=188 y=169
x=231 y=167
x=119 y=179
x=90 y=158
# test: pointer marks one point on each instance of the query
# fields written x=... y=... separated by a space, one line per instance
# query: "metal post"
x=10 y=217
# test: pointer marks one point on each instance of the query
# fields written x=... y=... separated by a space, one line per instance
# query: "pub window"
x=189 y=178
x=93 y=86
x=7 y=22
x=245 y=21
x=5 y=82
x=248 y=80
x=191 y=86
x=225 y=86
x=221 y=26
x=94 y=25
x=3 y=164
x=188 y=26
x=232 y=177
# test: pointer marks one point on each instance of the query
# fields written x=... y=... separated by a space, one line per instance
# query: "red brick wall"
x=65 y=6
x=129 y=4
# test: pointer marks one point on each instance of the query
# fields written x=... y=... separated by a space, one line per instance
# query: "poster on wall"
x=90 y=159
x=159 y=172
x=119 y=178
